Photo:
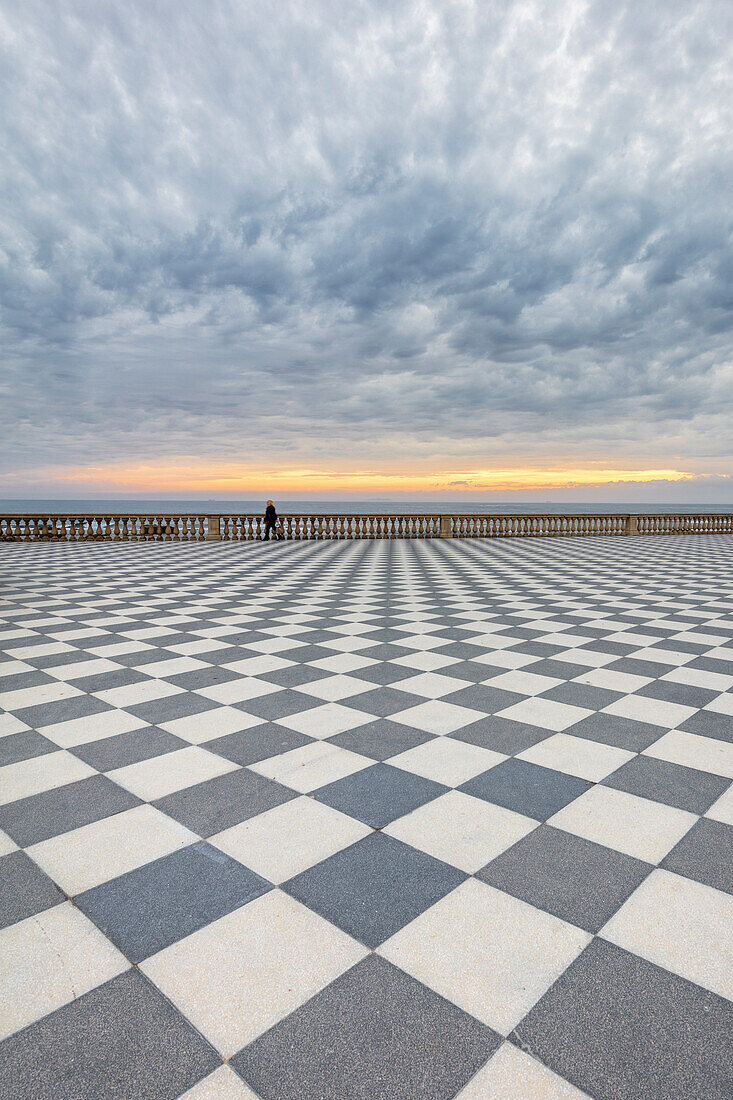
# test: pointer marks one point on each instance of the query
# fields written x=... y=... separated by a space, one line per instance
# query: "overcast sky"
x=429 y=239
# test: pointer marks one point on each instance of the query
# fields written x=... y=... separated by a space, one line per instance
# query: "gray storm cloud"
x=411 y=229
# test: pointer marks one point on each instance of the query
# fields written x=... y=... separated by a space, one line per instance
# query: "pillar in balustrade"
x=213 y=534
x=632 y=525
x=445 y=527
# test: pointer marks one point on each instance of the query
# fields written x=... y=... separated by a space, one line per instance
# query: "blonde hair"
x=269 y=502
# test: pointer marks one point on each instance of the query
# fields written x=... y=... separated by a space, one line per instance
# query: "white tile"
x=334 y=688
x=79 y=669
x=447 y=760
x=257 y=666
x=325 y=721
x=487 y=952
x=32 y=697
x=681 y=925
x=422 y=641
x=240 y=975
x=431 y=685
x=161 y=775
x=506 y=659
x=6 y=844
x=9 y=725
x=545 y=713
x=289 y=838
x=525 y=683
x=118 y=649
x=198 y=728
x=636 y=826
x=80 y=731
x=437 y=717
x=657 y=712
x=49 y=960
x=707 y=754
x=576 y=756
x=43 y=649
x=222 y=1084
x=425 y=661
x=513 y=1075
x=461 y=830
x=589 y=657
x=274 y=645
x=95 y=853
x=663 y=656
x=722 y=808
x=722 y=705
x=146 y=691
x=345 y=645
x=173 y=666
x=190 y=649
x=343 y=662
x=613 y=681
x=238 y=691
x=312 y=766
x=697 y=677
x=41 y=773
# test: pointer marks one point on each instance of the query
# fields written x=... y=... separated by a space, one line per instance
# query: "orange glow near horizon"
x=226 y=477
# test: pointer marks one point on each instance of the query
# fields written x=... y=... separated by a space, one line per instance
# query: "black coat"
x=270 y=515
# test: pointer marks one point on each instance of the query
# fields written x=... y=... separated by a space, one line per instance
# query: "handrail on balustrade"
x=172 y=526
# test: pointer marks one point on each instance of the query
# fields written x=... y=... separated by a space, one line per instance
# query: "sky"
x=467 y=250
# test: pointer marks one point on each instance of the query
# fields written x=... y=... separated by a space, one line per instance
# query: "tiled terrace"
x=382 y=820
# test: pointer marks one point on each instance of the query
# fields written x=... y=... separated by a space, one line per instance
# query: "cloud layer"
x=371 y=235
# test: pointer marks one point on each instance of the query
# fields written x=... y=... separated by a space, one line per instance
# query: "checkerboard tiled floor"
x=385 y=820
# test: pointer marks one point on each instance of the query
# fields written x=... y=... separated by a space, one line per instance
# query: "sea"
x=122 y=505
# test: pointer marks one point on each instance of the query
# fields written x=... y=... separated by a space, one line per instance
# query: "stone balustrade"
x=231 y=527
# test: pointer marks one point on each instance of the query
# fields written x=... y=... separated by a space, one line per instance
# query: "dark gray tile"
x=707 y=723
x=637 y=667
x=40 y=816
x=502 y=735
x=280 y=704
x=561 y=670
x=26 y=890
x=19 y=681
x=63 y=710
x=158 y=904
x=526 y=788
x=582 y=695
x=374 y=887
x=483 y=697
x=705 y=854
x=384 y=701
x=145 y=656
x=621 y=1028
x=473 y=671
x=294 y=676
x=128 y=748
x=121 y=1041
x=380 y=739
x=672 y=784
x=302 y=654
x=183 y=705
x=216 y=804
x=103 y=681
x=686 y=694
x=379 y=794
x=463 y=651
x=537 y=649
x=386 y=651
x=581 y=882
x=385 y=672
x=374 y=1032
x=259 y=743
x=621 y=733
x=202 y=677
x=24 y=746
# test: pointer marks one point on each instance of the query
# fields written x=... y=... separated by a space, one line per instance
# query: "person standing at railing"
x=271 y=523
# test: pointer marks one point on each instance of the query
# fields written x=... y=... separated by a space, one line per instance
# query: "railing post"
x=445 y=528
x=632 y=525
x=213 y=533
